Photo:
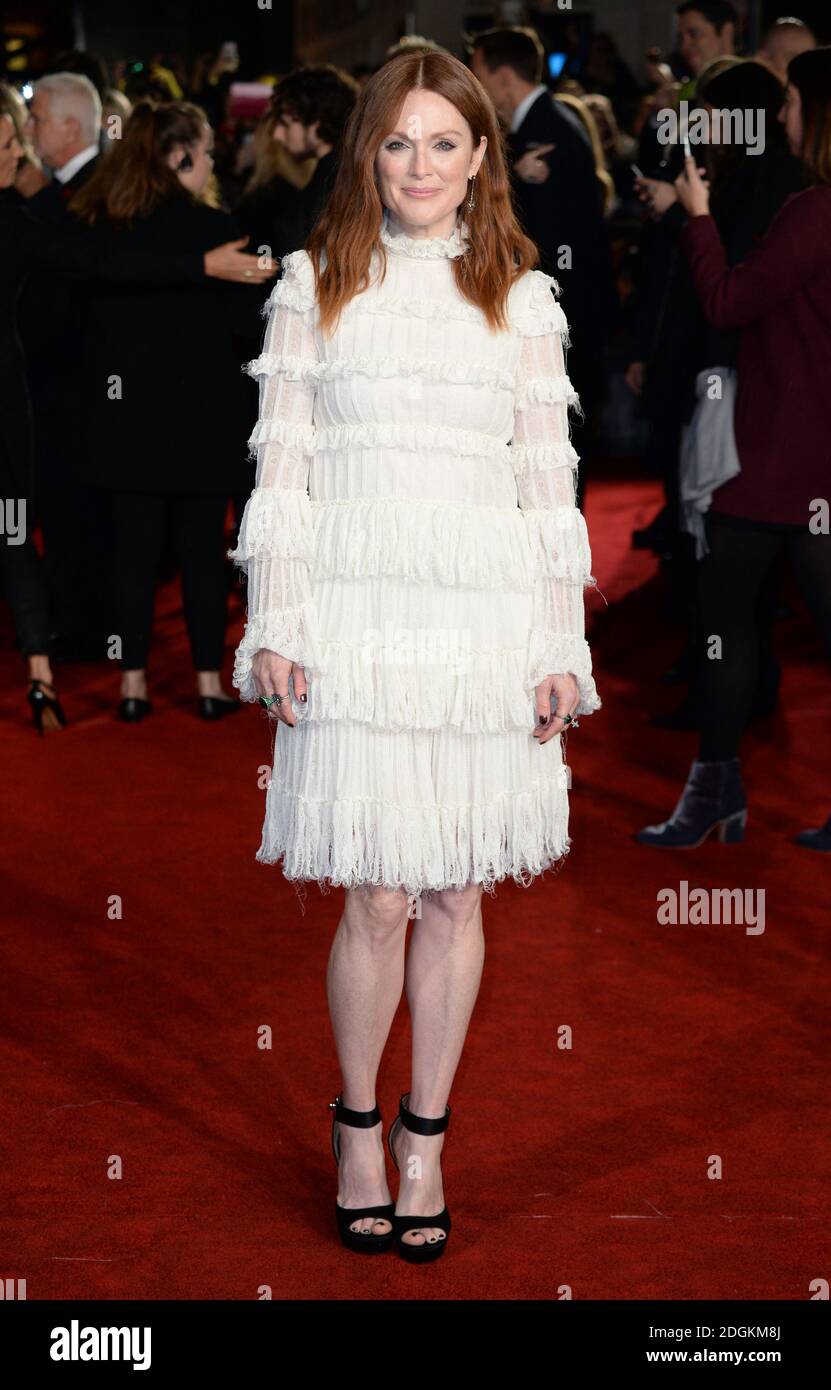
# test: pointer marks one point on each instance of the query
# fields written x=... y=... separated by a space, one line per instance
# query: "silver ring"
x=268 y=700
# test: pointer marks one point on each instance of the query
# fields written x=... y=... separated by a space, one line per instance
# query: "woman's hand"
x=693 y=189
x=532 y=168
x=271 y=677
x=229 y=262
x=567 y=693
x=658 y=195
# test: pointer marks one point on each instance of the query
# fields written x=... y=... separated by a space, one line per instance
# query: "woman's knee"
x=377 y=910
x=455 y=908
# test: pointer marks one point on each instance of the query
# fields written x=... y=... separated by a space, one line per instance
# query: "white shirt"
x=71 y=167
x=525 y=106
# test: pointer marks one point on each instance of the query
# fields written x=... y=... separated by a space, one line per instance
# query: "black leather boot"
x=713 y=797
x=816 y=839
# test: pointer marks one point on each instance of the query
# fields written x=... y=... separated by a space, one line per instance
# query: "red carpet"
x=135 y=1041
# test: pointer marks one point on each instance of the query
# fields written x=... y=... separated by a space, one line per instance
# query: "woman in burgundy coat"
x=780 y=299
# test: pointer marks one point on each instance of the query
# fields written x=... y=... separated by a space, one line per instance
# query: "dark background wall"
x=817 y=13
x=146 y=27
x=341 y=31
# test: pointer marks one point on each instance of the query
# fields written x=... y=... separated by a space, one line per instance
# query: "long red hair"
x=136 y=179
x=348 y=228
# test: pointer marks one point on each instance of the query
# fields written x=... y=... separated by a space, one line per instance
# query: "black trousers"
x=22 y=571
x=75 y=521
x=735 y=597
x=139 y=521
x=24 y=584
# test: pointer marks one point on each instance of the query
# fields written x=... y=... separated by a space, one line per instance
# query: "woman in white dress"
x=416 y=566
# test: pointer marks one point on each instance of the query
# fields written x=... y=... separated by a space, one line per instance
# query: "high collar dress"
x=412 y=540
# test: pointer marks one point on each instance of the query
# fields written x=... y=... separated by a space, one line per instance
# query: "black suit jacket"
x=51 y=203
x=15 y=408
x=180 y=424
x=52 y=314
x=567 y=211
x=282 y=216
x=65 y=259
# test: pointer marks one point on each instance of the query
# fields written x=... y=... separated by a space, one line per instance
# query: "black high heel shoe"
x=216 y=707
x=369 y=1243
x=419 y=1254
x=47 y=711
x=132 y=709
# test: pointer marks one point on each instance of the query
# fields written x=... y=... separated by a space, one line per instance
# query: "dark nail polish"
x=303 y=698
x=543 y=718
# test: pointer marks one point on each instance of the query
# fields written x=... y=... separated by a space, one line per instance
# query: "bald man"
x=784 y=40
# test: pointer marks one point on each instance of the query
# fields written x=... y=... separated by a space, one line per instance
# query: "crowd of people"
x=141 y=232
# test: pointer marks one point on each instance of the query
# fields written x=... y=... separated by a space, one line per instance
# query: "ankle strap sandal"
x=368 y=1243
x=419 y=1254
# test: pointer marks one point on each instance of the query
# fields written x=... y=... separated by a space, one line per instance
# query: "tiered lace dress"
x=413 y=541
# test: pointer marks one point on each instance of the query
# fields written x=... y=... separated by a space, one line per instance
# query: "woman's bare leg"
x=444 y=971
x=364 y=981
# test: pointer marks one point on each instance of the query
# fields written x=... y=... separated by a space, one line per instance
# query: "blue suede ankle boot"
x=713 y=797
x=816 y=839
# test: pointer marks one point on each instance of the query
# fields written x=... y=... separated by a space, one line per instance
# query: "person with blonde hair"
x=582 y=109
x=115 y=113
x=22 y=572
x=29 y=176
x=416 y=566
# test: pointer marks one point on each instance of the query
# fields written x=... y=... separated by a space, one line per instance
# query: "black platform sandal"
x=419 y=1254
x=368 y=1243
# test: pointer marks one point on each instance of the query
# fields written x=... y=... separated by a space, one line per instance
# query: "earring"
x=471 y=202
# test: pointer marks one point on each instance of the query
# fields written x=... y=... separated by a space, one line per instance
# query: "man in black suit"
x=557 y=194
x=64 y=125
x=310 y=108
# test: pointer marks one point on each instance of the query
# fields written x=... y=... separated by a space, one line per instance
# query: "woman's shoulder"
x=296 y=287
x=533 y=307
x=185 y=212
x=810 y=205
x=820 y=192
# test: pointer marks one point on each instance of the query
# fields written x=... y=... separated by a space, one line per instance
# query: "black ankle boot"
x=713 y=796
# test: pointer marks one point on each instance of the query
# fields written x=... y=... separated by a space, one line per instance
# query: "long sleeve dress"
x=412 y=540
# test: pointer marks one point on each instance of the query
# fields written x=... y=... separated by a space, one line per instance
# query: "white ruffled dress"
x=412 y=540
